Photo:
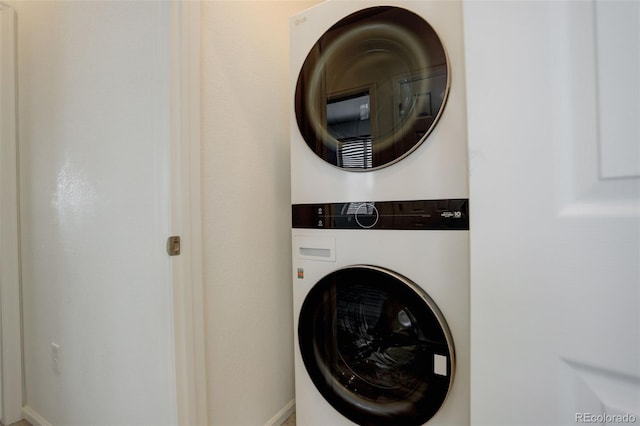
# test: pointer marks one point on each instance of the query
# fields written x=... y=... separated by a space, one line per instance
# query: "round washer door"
x=376 y=347
x=372 y=88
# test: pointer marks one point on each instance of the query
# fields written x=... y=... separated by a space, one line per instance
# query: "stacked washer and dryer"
x=380 y=226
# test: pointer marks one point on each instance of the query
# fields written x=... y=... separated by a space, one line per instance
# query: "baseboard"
x=33 y=417
x=283 y=414
x=36 y=419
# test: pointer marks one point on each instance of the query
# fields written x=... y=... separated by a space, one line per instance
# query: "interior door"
x=109 y=155
x=553 y=107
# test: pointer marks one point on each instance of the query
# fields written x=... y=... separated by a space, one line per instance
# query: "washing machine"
x=381 y=312
x=378 y=101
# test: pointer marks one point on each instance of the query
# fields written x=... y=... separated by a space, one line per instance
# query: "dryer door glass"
x=372 y=88
x=376 y=347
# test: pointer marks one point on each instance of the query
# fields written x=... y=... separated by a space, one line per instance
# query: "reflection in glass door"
x=383 y=69
x=349 y=123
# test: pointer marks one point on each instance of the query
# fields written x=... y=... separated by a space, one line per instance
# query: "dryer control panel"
x=450 y=214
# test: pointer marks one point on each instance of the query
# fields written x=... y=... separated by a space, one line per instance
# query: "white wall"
x=246 y=208
x=94 y=156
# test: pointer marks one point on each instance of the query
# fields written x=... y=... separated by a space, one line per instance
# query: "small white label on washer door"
x=440 y=364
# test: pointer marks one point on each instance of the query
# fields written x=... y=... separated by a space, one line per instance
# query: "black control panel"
x=452 y=214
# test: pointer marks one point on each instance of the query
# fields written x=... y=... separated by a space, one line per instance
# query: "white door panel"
x=105 y=110
x=555 y=220
x=586 y=96
x=617 y=35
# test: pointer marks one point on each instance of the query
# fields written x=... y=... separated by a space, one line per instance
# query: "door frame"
x=187 y=271
x=11 y=389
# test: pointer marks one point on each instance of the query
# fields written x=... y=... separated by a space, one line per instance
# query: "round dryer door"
x=372 y=88
x=376 y=347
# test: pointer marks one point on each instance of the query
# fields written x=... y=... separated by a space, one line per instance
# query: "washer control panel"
x=413 y=214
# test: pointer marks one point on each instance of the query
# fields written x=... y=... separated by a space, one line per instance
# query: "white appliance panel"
x=435 y=169
x=437 y=261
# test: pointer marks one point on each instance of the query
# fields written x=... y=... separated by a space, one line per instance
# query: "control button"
x=367 y=215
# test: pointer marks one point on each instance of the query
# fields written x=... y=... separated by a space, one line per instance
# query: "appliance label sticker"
x=440 y=364
x=449 y=215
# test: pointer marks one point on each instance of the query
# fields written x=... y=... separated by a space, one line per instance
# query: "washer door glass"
x=376 y=347
x=372 y=88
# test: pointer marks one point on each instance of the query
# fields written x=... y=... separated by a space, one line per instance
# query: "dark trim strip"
x=450 y=214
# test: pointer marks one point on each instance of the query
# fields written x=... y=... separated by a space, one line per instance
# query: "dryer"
x=378 y=101
x=381 y=312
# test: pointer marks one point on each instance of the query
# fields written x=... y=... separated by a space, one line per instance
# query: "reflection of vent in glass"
x=349 y=122
x=352 y=208
x=355 y=153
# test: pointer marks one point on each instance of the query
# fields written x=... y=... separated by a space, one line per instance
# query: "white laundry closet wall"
x=246 y=209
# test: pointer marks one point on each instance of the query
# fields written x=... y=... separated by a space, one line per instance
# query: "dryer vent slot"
x=315 y=248
x=315 y=252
